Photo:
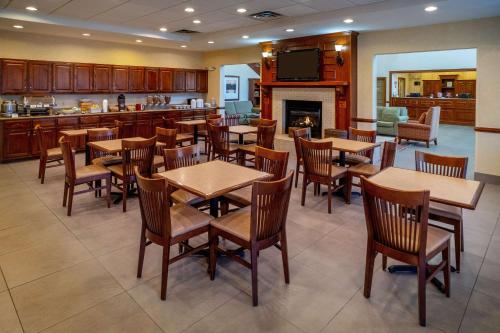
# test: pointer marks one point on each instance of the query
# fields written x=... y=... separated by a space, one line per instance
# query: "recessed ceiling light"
x=348 y=20
x=163 y=29
x=31 y=8
x=189 y=10
x=196 y=21
x=138 y=40
x=241 y=10
x=431 y=8
x=17 y=26
x=211 y=42
x=245 y=36
x=290 y=30
x=86 y=34
x=184 y=46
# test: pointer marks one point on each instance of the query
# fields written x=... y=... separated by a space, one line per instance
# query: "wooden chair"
x=97 y=156
x=169 y=123
x=166 y=138
x=367 y=169
x=134 y=153
x=267 y=122
x=222 y=148
x=177 y=158
x=47 y=155
x=319 y=169
x=364 y=136
x=203 y=130
x=120 y=126
x=452 y=167
x=231 y=120
x=304 y=133
x=166 y=226
x=265 y=139
x=266 y=160
x=88 y=175
x=335 y=133
x=256 y=228
x=208 y=144
x=397 y=223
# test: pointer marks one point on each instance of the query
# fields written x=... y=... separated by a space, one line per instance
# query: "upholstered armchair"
x=244 y=108
x=425 y=131
x=388 y=118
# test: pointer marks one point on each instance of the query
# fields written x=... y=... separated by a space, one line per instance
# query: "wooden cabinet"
x=128 y=121
x=466 y=87
x=120 y=79
x=102 y=78
x=62 y=77
x=202 y=81
x=16 y=139
x=143 y=125
x=165 y=81
x=14 y=76
x=108 y=120
x=70 y=123
x=82 y=78
x=50 y=131
x=431 y=87
x=39 y=77
x=191 y=80
x=179 y=82
x=151 y=79
x=136 y=79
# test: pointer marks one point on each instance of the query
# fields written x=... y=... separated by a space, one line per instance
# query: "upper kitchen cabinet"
x=120 y=78
x=62 y=77
x=14 y=76
x=82 y=78
x=165 y=80
x=179 y=80
x=136 y=79
x=191 y=80
x=102 y=78
x=39 y=77
x=151 y=79
x=202 y=81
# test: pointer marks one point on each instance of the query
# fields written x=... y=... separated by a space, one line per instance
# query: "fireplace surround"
x=301 y=113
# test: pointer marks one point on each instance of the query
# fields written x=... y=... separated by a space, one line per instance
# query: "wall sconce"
x=267 y=58
x=340 y=60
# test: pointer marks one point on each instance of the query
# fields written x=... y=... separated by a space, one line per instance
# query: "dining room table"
x=82 y=132
x=241 y=130
x=457 y=192
x=193 y=124
x=344 y=146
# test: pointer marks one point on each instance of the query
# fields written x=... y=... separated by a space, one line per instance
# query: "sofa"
x=426 y=129
x=388 y=118
x=244 y=108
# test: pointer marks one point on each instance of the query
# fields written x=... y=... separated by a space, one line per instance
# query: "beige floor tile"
x=3 y=285
x=23 y=209
x=482 y=315
x=49 y=256
x=9 y=322
x=488 y=281
x=59 y=296
x=117 y=314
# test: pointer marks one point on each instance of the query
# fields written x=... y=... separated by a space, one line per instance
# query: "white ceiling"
x=126 y=20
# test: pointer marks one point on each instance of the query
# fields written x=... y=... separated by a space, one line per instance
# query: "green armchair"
x=388 y=119
x=244 y=108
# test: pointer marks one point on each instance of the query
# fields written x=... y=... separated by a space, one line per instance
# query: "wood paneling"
x=83 y=78
x=151 y=79
x=136 y=79
x=179 y=81
x=39 y=77
x=202 y=81
x=190 y=80
x=166 y=80
x=62 y=77
x=102 y=78
x=120 y=78
x=14 y=76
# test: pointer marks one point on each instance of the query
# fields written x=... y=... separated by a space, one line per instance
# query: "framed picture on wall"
x=231 y=88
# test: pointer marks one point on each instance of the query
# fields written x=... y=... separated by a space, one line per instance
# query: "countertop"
x=440 y=98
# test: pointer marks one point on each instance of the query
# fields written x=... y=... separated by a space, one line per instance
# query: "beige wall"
x=244 y=55
x=31 y=46
x=481 y=34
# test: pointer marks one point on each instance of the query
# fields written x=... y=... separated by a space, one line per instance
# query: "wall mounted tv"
x=299 y=65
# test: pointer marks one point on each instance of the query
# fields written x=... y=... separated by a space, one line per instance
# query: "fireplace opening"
x=303 y=114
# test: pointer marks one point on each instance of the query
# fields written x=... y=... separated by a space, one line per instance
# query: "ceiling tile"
x=296 y=10
x=255 y=6
x=121 y=14
x=43 y=6
x=84 y=9
x=325 y=5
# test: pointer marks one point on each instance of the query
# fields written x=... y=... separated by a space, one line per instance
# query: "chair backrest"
x=155 y=209
x=219 y=137
x=317 y=158
x=304 y=133
x=138 y=153
x=451 y=166
x=335 y=133
x=169 y=123
x=269 y=208
x=271 y=161
x=214 y=116
x=265 y=136
x=215 y=121
x=363 y=136
x=388 y=154
x=101 y=135
x=432 y=119
x=68 y=157
x=396 y=219
x=167 y=136
x=181 y=157
x=232 y=119
x=267 y=122
x=119 y=125
x=42 y=140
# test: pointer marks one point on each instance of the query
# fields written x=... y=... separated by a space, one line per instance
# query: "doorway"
x=239 y=83
x=401 y=87
x=381 y=91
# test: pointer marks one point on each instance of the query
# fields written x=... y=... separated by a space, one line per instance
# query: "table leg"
x=240 y=139
x=195 y=134
x=87 y=154
x=214 y=207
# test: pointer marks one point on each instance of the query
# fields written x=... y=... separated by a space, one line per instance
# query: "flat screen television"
x=300 y=65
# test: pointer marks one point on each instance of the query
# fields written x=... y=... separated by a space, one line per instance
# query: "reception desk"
x=457 y=111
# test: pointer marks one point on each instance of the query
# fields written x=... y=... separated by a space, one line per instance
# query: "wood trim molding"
x=364 y=120
x=487 y=129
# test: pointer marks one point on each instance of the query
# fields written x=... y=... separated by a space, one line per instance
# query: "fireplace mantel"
x=312 y=84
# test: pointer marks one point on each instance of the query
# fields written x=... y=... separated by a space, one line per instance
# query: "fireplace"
x=303 y=114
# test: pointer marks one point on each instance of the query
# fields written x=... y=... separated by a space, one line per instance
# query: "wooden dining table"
x=194 y=124
x=349 y=146
x=241 y=130
x=82 y=132
x=111 y=146
x=212 y=179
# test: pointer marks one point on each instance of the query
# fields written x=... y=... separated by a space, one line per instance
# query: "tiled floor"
x=67 y=274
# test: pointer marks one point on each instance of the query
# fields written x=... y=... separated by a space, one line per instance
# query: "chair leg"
x=457 y=236
x=213 y=253
x=427 y=144
x=297 y=168
x=462 y=235
x=65 y=195
x=108 y=191
x=255 y=295
x=384 y=262
x=164 y=271
x=284 y=256
x=348 y=188
x=421 y=272
x=43 y=166
x=304 y=186
x=370 y=263
x=436 y=142
x=446 y=270
x=124 y=195
x=142 y=251
x=329 y=197
x=70 y=199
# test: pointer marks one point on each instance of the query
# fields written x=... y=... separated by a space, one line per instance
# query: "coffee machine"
x=121 y=103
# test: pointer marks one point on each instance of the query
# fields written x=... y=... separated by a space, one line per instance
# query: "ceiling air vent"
x=266 y=15
x=187 y=31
